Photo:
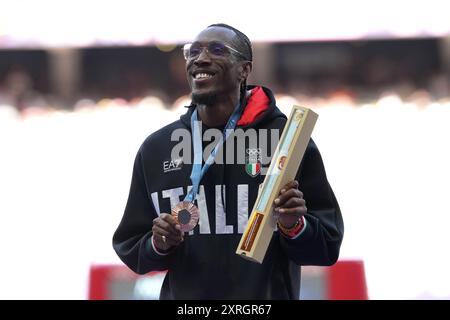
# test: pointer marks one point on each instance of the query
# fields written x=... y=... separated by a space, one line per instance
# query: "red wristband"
x=295 y=230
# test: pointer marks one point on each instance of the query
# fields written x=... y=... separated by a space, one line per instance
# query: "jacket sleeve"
x=132 y=239
x=320 y=241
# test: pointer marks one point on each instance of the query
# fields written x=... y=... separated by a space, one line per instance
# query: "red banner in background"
x=343 y=281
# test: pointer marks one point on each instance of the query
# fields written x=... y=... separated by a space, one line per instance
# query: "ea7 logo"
x=172 y=165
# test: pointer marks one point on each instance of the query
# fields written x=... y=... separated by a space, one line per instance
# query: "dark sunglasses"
x=216 y=49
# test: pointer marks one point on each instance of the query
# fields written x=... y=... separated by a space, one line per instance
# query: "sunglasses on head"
x=215 y=49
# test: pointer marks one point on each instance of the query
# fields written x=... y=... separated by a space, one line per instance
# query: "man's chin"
x=206 y=98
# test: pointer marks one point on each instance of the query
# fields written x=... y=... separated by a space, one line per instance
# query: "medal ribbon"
x=198 y=171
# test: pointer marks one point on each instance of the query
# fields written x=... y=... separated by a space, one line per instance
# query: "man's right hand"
x=166 y=232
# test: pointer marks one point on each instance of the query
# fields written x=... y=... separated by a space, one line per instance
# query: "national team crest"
x=253 y=162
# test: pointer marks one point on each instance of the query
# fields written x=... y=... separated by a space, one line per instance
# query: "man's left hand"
x=290 y=205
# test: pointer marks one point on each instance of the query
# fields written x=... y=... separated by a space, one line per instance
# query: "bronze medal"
x=186 y=214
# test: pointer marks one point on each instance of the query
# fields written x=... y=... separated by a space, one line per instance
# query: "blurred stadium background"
x=81 y=86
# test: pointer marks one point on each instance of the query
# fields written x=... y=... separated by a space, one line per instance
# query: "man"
x=202 y=263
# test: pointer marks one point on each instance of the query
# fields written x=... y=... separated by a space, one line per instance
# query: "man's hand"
x=290 y=205
x=166 y=232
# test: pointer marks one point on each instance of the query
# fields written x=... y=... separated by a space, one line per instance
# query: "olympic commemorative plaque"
x=283 y=168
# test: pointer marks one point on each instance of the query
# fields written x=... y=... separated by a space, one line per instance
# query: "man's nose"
x=203 y=57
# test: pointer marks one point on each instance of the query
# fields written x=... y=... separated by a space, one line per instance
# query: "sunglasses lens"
x=194 y=51
x=217 y=49
x=191 y=51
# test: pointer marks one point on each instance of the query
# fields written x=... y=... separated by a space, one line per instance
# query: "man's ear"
x=246 y=69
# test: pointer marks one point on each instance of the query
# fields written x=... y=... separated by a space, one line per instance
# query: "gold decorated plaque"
x=283 y=168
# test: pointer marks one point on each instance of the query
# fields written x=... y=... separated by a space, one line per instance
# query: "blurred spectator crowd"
x=310 y=74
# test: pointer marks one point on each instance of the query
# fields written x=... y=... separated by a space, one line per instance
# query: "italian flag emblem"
x=253 y=169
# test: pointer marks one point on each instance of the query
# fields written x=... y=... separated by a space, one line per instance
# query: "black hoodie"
x=205 y=265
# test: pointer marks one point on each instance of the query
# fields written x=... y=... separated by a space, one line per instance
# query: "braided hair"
x=245 y=47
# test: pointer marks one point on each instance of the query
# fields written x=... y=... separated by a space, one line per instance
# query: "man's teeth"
x=202 y=75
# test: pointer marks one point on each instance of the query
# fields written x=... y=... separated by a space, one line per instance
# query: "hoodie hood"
x=260 y=108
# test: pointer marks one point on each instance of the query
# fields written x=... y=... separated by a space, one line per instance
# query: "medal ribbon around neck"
x=198 y=171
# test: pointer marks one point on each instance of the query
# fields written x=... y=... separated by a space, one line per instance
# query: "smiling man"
x=159 y=229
